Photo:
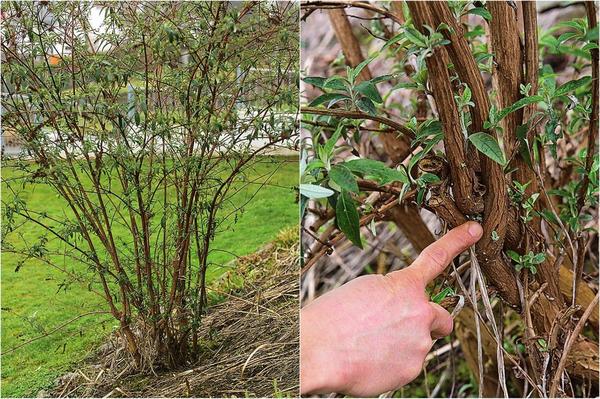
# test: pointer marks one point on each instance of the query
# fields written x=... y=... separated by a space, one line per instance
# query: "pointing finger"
x=436 y=257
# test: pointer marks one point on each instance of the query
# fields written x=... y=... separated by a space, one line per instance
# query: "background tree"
x=487 y=135
x=143 y=118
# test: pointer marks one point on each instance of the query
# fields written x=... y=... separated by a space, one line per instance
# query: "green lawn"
x=33 y=302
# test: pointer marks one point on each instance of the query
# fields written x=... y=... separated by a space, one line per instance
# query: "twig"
x=490 y=314
x=340 y=113
x=569 y=344
x=338 y=237
x=357 y=4
x=478 y=315
x=310 y=233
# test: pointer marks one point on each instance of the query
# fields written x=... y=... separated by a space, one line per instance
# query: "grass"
x=34 y=302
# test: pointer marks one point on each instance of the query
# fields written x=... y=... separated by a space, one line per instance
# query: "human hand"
x=372 y=334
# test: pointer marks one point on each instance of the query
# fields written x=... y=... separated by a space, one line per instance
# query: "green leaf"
x=366 y=105
x=592 y=34
x=518 y=105
x=495 y=236
x=514 y=256
x=347 y=218
x=538 y=258
x=519 y=267
x=393 y=40
x=314 y=191
x=442 y=294
x=466 y=96
x=406 y=85
x=328 y=97
x=335 y=83
x=420 y=196
x=533 y=269
x=566 y=36
x=356 y=71
x=524 y=144
x=482 y=12
x=572 y=85
x=331 y=142
x=315 y=81
x=381 y=78
x=342 y=176
x=415 y=36
x=376 y=170
x=314 y=164
x=488 y=146
x=427 y=178
x=369 y=90
x=428 y=128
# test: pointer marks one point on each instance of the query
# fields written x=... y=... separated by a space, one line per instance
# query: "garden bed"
x=249 y=346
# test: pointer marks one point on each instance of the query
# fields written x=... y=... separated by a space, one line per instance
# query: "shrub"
x=145 y=125
x=487 y=134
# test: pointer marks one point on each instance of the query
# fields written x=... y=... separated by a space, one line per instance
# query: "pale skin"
x=372 y=334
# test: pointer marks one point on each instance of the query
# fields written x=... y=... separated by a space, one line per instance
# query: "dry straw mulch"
x=250 y=344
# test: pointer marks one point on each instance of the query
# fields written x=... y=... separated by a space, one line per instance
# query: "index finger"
x=432 y=261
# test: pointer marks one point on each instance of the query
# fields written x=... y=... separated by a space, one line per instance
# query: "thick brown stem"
x=524 y=172
x=495 y=207
x=350 y=46
x=463 y=61
x=507 y=76
x=593 y=131
x=463 y=177
x=496 y=200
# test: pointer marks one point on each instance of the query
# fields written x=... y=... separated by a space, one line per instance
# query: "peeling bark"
x=508 y=73
x=463 y=177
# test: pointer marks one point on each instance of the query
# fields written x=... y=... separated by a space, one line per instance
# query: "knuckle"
x=435 y=255
x=410 y=278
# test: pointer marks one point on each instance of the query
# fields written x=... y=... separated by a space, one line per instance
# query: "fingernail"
x=475 y=230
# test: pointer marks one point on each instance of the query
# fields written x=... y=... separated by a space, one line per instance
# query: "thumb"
x=436 y=257
x=442 y=323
